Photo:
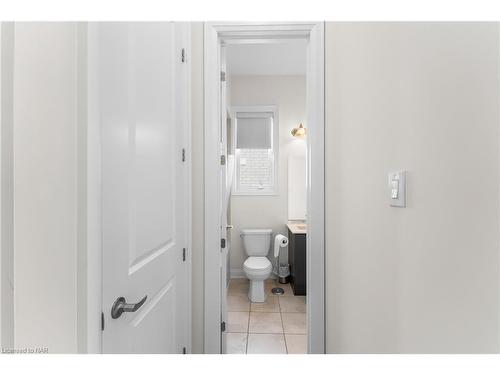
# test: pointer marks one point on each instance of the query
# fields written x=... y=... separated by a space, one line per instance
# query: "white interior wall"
x=422 y=97
x=6 y=198
x=45 y=199
x=1 y=294
x=268 y=211
x=267 y=58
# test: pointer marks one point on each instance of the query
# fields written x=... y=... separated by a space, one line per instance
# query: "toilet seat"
x=257 y=265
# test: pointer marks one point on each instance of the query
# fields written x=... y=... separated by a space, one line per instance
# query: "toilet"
x=257 y=266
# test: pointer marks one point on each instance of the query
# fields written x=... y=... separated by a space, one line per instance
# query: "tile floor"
x=277 y=326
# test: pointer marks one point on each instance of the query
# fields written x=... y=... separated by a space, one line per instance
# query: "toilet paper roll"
x=279 y=241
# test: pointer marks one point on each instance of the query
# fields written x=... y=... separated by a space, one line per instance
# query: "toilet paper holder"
x=283 y=277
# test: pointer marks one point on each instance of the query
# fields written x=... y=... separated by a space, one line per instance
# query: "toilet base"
x=256 y=292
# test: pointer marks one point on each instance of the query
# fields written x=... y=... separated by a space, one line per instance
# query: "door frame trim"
x=90 y=285
x=214 y=34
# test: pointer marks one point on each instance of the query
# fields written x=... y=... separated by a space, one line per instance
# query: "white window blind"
x=254 y=130
x=255 y=149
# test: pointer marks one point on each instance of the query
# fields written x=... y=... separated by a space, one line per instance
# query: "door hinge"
x=183 y=154
x=183 y=55
x=102 y=321
x=223 y=160
x=184 y=254
x=223 y=76
x=223 y=327
x=223 y=243
x=184 y=350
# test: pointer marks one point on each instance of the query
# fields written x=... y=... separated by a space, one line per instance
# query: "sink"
x=297 y=228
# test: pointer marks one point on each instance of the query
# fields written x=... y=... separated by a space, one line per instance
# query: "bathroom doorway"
x=266 y=184
x=264 y=226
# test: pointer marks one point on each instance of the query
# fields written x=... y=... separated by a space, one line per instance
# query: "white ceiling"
x=283 y=58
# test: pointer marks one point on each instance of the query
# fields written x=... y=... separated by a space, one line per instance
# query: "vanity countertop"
x=297 y=227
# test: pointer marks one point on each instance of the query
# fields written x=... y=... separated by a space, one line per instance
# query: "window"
x=255 y=140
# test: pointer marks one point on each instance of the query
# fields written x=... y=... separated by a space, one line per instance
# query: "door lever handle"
x=120 y=306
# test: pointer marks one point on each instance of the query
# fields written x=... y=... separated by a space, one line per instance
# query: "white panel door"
x=144 y=117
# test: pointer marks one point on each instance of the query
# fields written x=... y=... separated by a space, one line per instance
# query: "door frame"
x=214 y=34
x=90 y=284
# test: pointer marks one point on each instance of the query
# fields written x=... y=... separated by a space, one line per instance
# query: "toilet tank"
x=256 y=241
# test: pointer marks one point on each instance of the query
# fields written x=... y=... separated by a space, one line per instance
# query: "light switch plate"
x=397 y=189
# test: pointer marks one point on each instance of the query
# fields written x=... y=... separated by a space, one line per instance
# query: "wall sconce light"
x=299 y=132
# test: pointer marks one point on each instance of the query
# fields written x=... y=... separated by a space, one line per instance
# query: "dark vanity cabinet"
x=297 y=260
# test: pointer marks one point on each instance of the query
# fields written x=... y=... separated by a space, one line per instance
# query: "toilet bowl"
x=257 y=266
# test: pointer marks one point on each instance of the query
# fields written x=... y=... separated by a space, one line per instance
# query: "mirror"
x=297 y=188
